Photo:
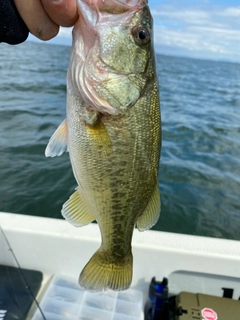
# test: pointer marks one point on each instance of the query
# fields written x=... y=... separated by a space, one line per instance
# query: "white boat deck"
x=56 y=247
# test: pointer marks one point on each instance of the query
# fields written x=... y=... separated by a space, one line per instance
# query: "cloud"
x=187 y=16
x=65 y=32
x=205 y=31
x=231 y=12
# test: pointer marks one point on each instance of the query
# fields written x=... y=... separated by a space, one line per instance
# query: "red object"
x=209 y=314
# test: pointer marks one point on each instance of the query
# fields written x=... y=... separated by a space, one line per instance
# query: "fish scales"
x=113 y=135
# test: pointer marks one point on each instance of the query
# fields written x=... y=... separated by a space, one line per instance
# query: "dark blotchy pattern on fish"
x=113 y=137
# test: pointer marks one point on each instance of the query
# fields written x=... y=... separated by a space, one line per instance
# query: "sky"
x=205 y=29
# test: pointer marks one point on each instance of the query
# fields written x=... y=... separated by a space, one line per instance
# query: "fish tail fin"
x=101 y=274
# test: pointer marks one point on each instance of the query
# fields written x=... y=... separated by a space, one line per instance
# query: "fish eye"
x=141 y=35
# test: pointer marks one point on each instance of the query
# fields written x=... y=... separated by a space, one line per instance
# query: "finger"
x=36 y=19
x=63 y=12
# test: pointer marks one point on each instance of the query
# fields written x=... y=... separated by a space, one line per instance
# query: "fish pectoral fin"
x=99 y=137
x=76 y=210
x=57 y=144
x=151 y=213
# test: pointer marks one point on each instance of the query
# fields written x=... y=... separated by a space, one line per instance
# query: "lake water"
x=200 y=163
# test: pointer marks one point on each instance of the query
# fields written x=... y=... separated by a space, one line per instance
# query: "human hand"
x=43 y=17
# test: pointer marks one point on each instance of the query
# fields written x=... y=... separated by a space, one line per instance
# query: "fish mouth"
x=113 y=6
x=88 y=69
x=94 y=12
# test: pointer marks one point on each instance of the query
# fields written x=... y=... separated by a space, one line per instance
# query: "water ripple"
x=200 y=163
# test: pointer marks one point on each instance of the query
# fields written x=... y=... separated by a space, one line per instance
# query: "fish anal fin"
x=151 y=213
x=76 y=210
x=102 y=273
x=57 y=144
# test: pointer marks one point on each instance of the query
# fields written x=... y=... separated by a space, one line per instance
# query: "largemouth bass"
x=112 y=132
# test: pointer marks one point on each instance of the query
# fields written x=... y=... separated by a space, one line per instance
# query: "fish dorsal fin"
x=151 y=213
x=57 y=144
x=76 y=210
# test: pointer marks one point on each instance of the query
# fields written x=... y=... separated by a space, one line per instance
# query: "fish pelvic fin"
x=57 y=144
x=76 y=210
x=101 y=274
x=152 y=212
